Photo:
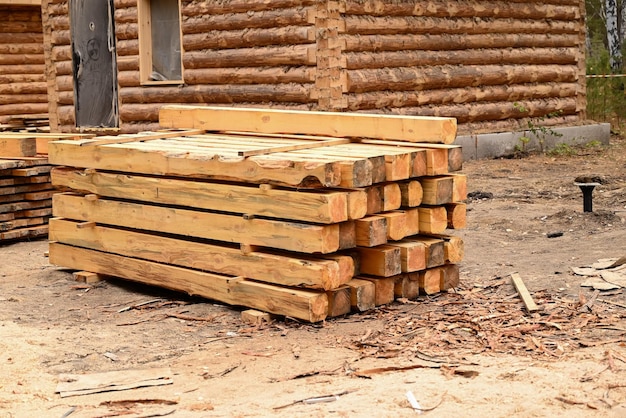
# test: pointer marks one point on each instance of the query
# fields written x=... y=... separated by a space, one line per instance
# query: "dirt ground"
x=474 y=352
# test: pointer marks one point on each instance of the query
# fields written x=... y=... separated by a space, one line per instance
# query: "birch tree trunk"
x=613 y=35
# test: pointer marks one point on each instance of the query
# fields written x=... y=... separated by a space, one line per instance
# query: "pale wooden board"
x=84 y=384
x=407 y=128
x=523 y=292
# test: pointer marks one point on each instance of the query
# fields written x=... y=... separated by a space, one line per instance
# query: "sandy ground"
x=473 y=352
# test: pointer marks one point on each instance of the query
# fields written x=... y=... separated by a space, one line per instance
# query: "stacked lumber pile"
x=302 y=214
x=25 y=187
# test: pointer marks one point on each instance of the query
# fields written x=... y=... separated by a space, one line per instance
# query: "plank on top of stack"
x=303 y=225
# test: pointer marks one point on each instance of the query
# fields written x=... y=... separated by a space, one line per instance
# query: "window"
x=160 y=58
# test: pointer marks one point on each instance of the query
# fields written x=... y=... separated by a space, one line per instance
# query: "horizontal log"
x=476 y=112
x=483 y=9
x=19 y=59
x=24 y=108
x=272 y=267
x=435 y=25
x=520 y=56
x=126 y=14
x=227 y=93
x=59 y=22
x=289 y=35
x=27 y=38
x=61 y=37
x=515 y=92
x=319 y=207
x=306 y=305
x=251 y=57
x=127 y=48
x=21 y=48
x=58 y=8
x=273 y=18
x=61 y=53
x=128 y=63
x=290 y=236
x=427 y=78
x=21 y=26
x=251 y=75
x=23 y=98
x=239 y=6
x=439 y=42
x=38 y=70
x=20 y=14
x=514 y=125
x=24 y=88
x=63 y=67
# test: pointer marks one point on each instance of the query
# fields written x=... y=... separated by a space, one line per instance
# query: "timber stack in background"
x=303 y=214
x=25 y=187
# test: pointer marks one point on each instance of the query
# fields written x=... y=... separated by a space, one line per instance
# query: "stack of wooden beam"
x=25 y=187
x=302 y=214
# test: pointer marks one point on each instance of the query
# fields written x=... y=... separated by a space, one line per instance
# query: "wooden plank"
x=382 y=261
x=454 y=248
x=132 y=158
x=437 y=190
x=21 y=223
x=411 y=193
x=362 y=295
x=336 y=124
x=25 y=188
x=292 y=236
x=371 y=231
x=302 y=304
x=413 y=254
x=309 y=145
x=459 y=187
x=456 y=215
x=397 y=227
x=20 y=206
x=384 y=289
x=450 y=277
x=432 y=219
x=81 y=384
x=523 y=292
x=272 y=267
x=320 y=206
x=407 y=286
x=88 y=277
x=430 y=281
x=17 y=146
x=254 y=317
x=24 y=233
x=339 y=301
x=20 y=181
x=31 y=171
x=383 y=197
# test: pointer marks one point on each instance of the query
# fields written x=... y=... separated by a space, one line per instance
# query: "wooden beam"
x=197 y=163
x=319 y=206
x=393 y=127
x=302 y=304
x=382 y=261
x=292 y=236
x=523 y=292
x=17 y=146
x=362 y=295
x=267 y=266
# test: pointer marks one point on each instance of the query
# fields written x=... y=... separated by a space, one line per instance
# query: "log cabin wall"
x=22 y=67
x=237 y=52
x=470 y=59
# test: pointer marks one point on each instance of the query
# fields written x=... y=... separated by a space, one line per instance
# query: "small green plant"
x=593 y=144
x=562 y=149
x=541 y=133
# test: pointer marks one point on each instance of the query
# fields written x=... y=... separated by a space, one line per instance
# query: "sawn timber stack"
x=25 y=187
x=302 y=214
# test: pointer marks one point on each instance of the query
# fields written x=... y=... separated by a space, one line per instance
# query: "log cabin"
x=493 y=65
x=23 y=89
